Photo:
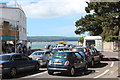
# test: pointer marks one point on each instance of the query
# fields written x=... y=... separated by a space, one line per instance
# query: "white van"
x=95 y=41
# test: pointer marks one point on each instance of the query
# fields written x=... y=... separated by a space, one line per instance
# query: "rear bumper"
x=58 y=68
x=42 y=63
x=4 y=71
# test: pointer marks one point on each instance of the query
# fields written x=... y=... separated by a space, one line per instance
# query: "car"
x=97 y=56
x=41 y=56
x=85 y=52
x=13 y=63
x=66 y=62
x=60 y=49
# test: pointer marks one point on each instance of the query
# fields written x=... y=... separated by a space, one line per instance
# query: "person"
x=29 y=50
x=87 y=52
x=12 y=49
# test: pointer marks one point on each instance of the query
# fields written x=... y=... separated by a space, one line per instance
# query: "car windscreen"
x=60 y=55
x=5 y=57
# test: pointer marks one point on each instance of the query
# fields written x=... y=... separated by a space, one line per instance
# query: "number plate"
x=58 y=63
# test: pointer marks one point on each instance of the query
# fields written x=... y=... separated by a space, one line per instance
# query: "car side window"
x=71 y=55
x=17 y=57
x=25 y=57
x=78 y=55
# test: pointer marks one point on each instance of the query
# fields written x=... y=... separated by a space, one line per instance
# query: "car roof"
x=42 y=51
x=11 y=54
x=66 y=51
x=80 y=47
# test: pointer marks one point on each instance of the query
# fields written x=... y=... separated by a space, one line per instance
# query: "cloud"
x=51 y=8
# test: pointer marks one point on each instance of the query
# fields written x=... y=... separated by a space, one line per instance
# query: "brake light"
x=1 y=65
x=66 y=63
x=40 y=58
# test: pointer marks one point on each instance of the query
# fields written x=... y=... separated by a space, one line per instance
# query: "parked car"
x=13 y=63
x=66 y=61
x=85 y=52
x=41 y=56
x=60 y=49
x=90 y=53
x=97 y=56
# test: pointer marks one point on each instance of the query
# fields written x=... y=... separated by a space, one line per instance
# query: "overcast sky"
x=51 y=17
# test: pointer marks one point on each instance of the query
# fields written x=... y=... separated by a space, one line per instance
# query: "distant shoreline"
x=51 y=41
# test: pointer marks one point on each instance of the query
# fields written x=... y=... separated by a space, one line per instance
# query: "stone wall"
x=110 y=46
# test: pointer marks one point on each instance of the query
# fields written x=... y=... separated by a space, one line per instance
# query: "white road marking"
x=102 y=74
x=112 y=64
x=35 y=75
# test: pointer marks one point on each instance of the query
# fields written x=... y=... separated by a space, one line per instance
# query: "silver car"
x=42 y=56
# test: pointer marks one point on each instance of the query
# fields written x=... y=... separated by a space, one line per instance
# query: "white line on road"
x=34 y=75
x=102 y=74
x=112 y=64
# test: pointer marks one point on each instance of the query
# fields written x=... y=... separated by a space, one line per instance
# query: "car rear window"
x=40 y=53
x=37 y=53
x=60 y=55
x=4 y=57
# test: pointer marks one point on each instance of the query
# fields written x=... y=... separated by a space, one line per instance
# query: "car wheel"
x=72 y=71
x=99 y=62
x=50 y=72
x=13 y=72
x=92 y=63
x=36 y=67
x=86 y=67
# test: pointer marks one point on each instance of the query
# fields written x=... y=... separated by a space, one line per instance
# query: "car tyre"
x=37 y=67
x=72 y=71
x=92 y=63
x=86 y=67
x=50 y=72
x=13 y=72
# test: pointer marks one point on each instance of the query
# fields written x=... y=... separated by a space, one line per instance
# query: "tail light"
x=66 y=63
x=40 y=58
x=1 y=65
x=49 y=62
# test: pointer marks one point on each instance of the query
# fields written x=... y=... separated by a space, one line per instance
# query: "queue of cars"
x=62 y=59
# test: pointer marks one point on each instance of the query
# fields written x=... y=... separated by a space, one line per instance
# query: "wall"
x=110 y=46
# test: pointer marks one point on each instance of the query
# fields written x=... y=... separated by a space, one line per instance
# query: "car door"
x=17 y=62
x=73 y=60
x=97 y=56
x=28 y=64
x=80 y=61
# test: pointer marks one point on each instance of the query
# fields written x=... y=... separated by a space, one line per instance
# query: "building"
x=12 y=25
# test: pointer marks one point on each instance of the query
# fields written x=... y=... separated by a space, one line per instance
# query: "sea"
x=40 y=45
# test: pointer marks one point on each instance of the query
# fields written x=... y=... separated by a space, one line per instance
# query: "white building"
x=12 y=23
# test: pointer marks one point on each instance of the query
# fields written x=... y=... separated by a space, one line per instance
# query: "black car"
x=66 y=61
x=13 y=63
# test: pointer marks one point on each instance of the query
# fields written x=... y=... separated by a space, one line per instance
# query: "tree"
x=81 y=39
x=103 y=21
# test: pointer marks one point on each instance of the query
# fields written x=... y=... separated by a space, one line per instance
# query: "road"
x=108 y=68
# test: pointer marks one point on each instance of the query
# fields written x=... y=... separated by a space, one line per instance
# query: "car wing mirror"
x=30 y=58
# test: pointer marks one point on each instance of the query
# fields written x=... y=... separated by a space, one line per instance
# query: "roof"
x=80 y=47
x=11 y=54
x=66 y=51
x=93 y=38
x=42 y=51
